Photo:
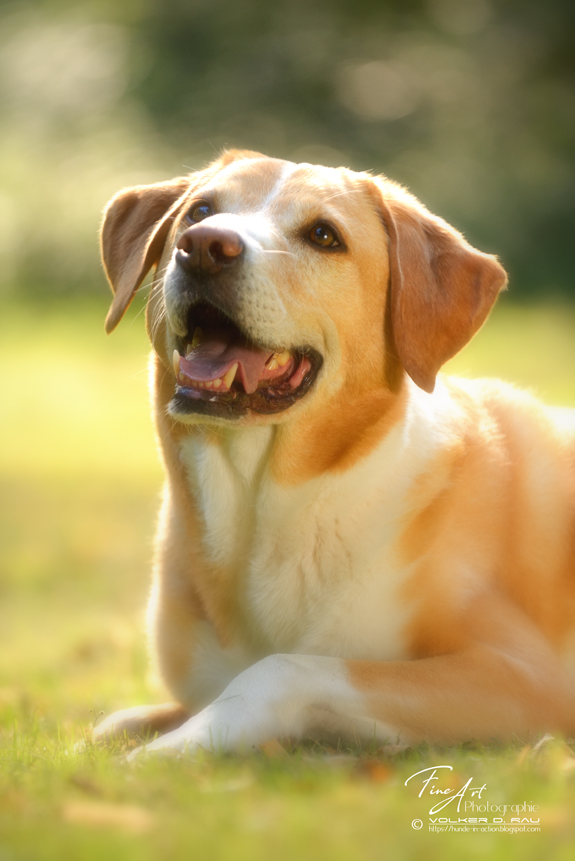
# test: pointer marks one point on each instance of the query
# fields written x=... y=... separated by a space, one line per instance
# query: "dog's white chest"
x=312 y=566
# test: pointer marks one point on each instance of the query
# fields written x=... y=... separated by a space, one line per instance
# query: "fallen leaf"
x=98 y=814
x=524 y=754
x=374 y=770
x=86 y=784
x=558 y=817
x=273 y=749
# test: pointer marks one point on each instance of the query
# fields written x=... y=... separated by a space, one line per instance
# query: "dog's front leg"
x=480 y=693
x=280 y=696
x=140 y=720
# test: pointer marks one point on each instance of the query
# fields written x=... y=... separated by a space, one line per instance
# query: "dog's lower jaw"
x=188 y=401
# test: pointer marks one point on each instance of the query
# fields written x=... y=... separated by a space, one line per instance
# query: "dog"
x=349 y=545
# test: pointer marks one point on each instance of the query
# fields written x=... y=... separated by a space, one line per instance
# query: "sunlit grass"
x=79 y=484
x=303 y=806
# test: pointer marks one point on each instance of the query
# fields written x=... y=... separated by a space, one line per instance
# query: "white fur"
x=282 y=695
x=316 y=562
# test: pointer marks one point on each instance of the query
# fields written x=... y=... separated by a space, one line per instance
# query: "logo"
x=460 y=807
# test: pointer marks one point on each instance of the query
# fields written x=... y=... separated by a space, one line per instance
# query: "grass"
x=79 y=485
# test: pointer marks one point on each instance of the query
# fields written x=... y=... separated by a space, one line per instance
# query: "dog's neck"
x=245 y=452
x=332 y=439
x=245 y=499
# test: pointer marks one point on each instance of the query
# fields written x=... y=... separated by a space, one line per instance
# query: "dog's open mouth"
x=220 y=372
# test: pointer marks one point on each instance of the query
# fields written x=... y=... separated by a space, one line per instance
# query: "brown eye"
x=199 y=210
x=324 y=235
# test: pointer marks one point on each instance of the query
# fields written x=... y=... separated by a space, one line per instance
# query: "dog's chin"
x=220 y=373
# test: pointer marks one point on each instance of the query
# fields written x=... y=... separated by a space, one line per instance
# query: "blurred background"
x=470 y=103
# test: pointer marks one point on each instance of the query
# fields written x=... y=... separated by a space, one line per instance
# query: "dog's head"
x=276 y=281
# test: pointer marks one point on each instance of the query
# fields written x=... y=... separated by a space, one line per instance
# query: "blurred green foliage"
x=470 y=103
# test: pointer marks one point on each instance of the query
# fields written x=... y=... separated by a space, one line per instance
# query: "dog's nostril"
x=185 y=243
x=216 y=251
x=224 y=253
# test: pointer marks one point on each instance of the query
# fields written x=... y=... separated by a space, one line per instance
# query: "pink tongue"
x=218 y=352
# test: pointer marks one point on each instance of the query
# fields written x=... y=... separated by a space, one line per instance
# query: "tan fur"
x=443 y=289
x=454 y=509
x=140 y=720
x=133 y=236
x=211 y=594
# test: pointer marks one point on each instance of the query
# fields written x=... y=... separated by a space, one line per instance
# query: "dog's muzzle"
x=219 y=370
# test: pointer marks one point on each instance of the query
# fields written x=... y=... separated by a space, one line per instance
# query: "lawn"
x=79 y=486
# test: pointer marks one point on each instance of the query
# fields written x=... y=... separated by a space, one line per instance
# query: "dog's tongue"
x=216 y=354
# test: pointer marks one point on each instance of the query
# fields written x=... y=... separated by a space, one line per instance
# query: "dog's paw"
x=262 y=703
x=140 y=720
x=210 y=730
x=138 y=755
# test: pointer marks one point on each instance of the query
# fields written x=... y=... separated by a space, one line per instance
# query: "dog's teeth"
x=230 y=376
x=189 y=349
x=272 y=364
x=217 y=383
x=208 y=384
x=282 y=358
x=176 y=363
x=198 y=334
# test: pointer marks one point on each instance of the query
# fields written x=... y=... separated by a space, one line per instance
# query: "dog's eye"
x=199 y=210
x=324 y=235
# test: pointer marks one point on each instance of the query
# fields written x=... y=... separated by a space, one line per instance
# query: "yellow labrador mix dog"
x=347 y=546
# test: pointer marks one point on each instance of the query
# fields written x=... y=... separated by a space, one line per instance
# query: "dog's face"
x=281 y=283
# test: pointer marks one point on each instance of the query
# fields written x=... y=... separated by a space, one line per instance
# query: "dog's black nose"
x=208 y=249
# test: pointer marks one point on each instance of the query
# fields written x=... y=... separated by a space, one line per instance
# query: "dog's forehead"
x=310 y=186
x=249 y=182
x=267 y=183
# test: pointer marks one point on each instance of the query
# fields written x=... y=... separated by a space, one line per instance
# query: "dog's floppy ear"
x=442 y=289
x=136 y=223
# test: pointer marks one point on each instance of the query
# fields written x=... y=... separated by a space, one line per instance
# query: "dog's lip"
x=287 y=389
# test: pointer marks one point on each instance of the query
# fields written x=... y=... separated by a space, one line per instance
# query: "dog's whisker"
x=137 y=373
x=342 y=193
x=158 y=319
x=139 y=313
x=158 y=322
x=152 y=289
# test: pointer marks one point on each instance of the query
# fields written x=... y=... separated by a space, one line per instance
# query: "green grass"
x=79 y=481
